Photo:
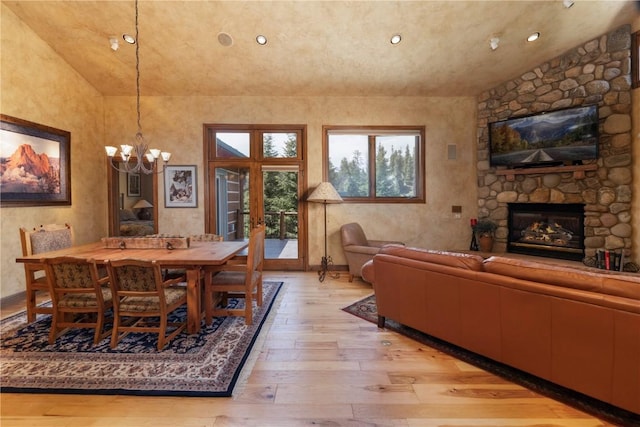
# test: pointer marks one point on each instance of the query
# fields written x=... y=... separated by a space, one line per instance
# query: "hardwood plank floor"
x=318 y=365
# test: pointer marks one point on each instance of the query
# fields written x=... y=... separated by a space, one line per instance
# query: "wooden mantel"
x=578 y=171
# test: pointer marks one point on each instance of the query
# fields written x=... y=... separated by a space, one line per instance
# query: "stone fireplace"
x=554 y=230
x=595 y=72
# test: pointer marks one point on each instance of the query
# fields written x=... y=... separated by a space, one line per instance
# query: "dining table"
x=195 y=259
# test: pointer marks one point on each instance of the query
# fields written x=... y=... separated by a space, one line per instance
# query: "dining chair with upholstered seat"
x=241 y=278
x=171 y=273
x=80 y=299
x=206 y=237
x=139 y=295
x=44 y=238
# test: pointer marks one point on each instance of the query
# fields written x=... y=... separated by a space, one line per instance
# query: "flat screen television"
x=566 y=136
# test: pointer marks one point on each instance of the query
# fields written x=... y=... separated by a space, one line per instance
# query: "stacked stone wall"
x=597 y=72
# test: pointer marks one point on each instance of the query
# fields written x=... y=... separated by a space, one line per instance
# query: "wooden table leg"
x=208 y=300
x=193 y=300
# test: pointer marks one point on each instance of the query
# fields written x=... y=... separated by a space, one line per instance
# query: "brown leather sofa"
x=576 y=327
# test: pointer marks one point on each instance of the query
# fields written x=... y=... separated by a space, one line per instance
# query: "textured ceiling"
x=314 y=47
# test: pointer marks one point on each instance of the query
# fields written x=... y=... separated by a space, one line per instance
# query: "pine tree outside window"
x=376 y=164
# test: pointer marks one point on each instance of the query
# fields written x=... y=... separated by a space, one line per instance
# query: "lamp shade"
x=325 y=193
x=141 y=204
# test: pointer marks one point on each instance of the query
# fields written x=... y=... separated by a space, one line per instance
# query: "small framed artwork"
x=133 y=185
x=180 y=189
x=36 y=164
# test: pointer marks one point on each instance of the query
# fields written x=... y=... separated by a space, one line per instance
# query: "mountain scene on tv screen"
x=560 y=136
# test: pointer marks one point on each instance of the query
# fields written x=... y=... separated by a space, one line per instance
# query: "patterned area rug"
x=206 y=364
x=367 y=310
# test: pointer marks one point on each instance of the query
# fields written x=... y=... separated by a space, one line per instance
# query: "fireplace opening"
x=554 y=230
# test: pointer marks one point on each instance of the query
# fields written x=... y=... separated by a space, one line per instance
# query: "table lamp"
x=143 y=205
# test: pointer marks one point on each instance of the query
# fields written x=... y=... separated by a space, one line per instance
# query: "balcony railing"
x=279 y=224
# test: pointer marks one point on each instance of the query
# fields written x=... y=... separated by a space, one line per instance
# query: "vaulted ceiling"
x=314 y=48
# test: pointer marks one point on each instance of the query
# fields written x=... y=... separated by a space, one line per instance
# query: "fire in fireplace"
x=553 y=230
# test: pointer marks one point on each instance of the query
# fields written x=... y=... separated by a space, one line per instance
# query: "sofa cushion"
x=450 y=259
x=622 y=285
x=588 y=279
x=544 y=273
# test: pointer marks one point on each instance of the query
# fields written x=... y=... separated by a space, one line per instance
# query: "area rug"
x=205 y=364
x=367 y=310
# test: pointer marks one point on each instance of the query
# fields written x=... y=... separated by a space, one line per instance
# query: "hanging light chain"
x=138 y=71
x=140 y=147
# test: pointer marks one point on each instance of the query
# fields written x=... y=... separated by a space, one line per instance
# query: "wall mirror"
x=133 y=202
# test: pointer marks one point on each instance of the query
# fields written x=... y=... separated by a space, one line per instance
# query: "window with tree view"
x=376 y=164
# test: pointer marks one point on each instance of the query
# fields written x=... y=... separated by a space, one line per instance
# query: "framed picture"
x=35 y=164
x=180 y=187
x=133 y=185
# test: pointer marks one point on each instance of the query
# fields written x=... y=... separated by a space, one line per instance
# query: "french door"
x=255 y=176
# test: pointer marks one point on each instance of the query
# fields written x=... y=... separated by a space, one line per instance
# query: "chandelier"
x=139 y=152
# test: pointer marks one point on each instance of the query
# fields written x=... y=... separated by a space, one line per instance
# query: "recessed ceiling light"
x=261 y=40
x=533 y=37
x=567 y=3
x=113 y=42
x=129 y=39
x=396 y=38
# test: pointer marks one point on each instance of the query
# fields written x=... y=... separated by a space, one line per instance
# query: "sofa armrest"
x=381 y=243
x=368 y=272
x=369 y=250
x=452 y=259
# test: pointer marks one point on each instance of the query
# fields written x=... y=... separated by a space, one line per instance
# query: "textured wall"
x=39 y=87
x=60 y=98
x=175 y=124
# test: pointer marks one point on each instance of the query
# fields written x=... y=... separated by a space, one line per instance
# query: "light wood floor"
x=319 y=366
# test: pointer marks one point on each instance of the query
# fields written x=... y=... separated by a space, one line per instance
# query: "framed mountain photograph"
x=35 y=168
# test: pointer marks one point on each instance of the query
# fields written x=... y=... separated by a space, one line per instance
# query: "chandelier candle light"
x=139 y=150
x=325 y=193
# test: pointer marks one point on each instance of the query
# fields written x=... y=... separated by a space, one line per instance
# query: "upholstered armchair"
x=358 y=249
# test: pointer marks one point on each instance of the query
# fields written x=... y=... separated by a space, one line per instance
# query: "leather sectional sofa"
x=576 y=327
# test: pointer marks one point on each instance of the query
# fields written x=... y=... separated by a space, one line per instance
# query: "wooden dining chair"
x=206 y=237
x=170 y=273
x=240 y=278
x=44 y=238
x=140 y=294
x=80 y=299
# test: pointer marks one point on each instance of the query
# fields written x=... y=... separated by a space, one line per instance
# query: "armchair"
x=358 y=249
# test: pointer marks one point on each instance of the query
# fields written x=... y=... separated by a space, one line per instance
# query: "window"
x=242 y=142
x=279 y=145
x=375 y=164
